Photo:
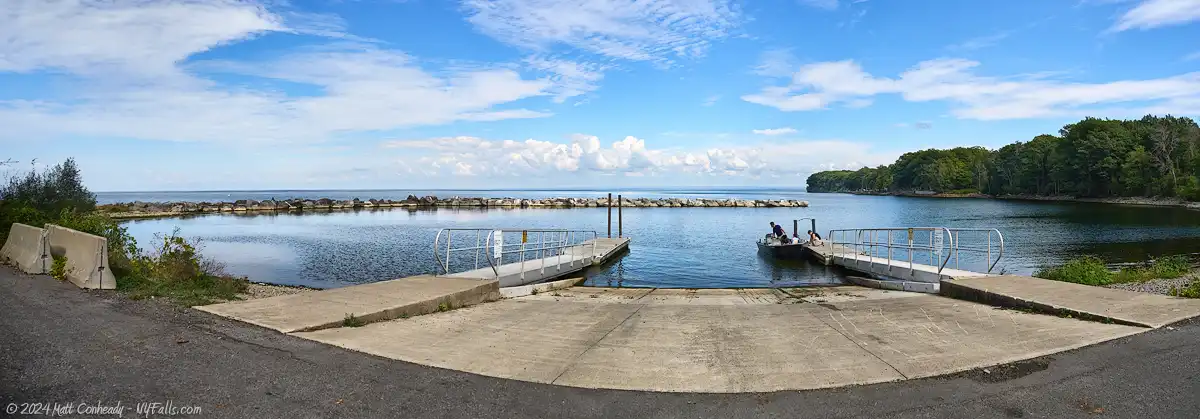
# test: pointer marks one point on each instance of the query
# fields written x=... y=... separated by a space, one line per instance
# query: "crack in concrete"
x=593 y=344
x=893 y=367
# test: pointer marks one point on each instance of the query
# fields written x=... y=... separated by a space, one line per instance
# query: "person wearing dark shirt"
x=777 y=230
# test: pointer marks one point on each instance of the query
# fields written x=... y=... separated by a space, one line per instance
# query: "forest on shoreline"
x=1093 y=158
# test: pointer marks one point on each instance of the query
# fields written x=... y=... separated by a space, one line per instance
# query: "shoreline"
x=143 y=210
x=1135 y=201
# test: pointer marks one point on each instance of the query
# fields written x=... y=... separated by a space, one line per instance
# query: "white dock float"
x=572 y=259
x=858 y=250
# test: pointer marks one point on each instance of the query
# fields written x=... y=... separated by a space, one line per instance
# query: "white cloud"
x=711 y=100
x=775 y=131
x=585 y=155
x=818 y=86
x=777 y=62
x=821 y=4
x=650 y=30
x=1192 y=57
x=570 y=78
x=980 y=42
x=1151 y=14
x=129 y=60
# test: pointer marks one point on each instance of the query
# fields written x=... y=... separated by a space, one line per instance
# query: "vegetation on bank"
x=173 y=268
x=1091 y=270
x=1094 y=158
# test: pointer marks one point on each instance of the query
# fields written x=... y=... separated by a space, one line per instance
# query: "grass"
x=443 y=307
x=352 y=321
x=176 y=270
x=58 y=269
x=1091 y=270
x=1191 y=291
x=196 y=291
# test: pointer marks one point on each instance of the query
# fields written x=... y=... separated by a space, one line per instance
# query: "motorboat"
x=775 y=247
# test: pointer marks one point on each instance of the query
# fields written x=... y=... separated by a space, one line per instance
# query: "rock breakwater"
x=166 y=209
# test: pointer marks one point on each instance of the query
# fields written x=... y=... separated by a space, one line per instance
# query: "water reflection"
x=676 y=247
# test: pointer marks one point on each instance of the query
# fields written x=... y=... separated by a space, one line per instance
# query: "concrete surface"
x=1136 y=308
x=895 y=285
x=103 y=346
x=531 y=289
x=26 y=248
x=720 y=341
x=372 y=302
x=87 y=257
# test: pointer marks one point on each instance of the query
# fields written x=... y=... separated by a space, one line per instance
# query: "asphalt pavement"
x=59 y=344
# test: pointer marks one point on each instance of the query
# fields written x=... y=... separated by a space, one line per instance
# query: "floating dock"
x=405 y=297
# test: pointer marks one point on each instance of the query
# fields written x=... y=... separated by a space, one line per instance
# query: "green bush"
x=1089 y=270
x=1092 y=270
x=174 y=268
x=1191 y=291
x=58 y=269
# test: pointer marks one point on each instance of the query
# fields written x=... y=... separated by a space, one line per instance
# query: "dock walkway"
x=405 y=297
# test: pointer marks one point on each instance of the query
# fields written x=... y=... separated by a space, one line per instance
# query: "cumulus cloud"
x=775 y=131
x=586 y=155
x=651 y=30
x=133 y=63
x=1150 y=14
x=821 y=85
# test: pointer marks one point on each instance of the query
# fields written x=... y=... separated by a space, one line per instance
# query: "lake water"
x=671 y=247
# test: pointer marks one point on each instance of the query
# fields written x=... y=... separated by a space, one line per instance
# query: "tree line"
x=1097 y=158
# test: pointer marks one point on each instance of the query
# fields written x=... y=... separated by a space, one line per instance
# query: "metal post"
x=620 y=219
x=989 y=259
x=814 y=225
x=449 y=235
x=889 y=246
x=609 y=215
x=795 y=228
x=478 y=233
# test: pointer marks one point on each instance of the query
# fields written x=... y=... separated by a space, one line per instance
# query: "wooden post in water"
x=795 y=228
x=609 y=205
x=620 y=220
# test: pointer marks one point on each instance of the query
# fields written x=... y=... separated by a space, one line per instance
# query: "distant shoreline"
x=1138 y=201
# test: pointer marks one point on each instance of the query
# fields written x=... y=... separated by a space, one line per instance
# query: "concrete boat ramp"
x=716 y=340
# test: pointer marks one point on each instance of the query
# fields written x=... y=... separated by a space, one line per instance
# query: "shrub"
x=1089 y=270
x=1170 y=267
x=175 y=269
x=58 y=269
x=1190 y=291
x=351 y=321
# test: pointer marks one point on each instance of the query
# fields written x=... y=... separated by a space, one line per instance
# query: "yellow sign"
x=524 y=236
x=910 y=235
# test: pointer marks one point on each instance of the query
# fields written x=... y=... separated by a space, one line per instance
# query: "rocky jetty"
x=161 y=209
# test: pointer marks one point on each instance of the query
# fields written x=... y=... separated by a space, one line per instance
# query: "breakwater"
x=167 y=209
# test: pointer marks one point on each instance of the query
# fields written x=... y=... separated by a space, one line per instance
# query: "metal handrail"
x=991 y=264
x=952 y=243
x=559 y=242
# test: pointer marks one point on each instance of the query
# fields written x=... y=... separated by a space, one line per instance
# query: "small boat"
x=776 y=248
x=772 y=246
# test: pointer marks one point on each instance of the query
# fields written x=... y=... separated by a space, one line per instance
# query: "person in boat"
x=784 y=239
x=777 y=230
x=814 y=238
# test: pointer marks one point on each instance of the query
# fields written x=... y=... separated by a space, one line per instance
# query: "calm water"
x=672 y=247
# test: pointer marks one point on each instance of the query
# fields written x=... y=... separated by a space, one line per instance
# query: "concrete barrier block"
x=87 y=257
x=26 y=247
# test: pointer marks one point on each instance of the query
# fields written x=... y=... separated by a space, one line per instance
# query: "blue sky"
x=226 y=94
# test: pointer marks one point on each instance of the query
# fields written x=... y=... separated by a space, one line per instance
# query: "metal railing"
x=941 y=244
x=548 y=247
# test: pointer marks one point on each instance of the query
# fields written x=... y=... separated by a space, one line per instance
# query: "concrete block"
x=26 y=248
x=87 y=257
x=524 y=290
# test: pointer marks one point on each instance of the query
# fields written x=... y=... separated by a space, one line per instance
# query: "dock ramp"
x=517 y=257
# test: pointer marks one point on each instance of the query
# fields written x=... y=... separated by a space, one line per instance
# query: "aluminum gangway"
x=921 y=255
x=519 y=256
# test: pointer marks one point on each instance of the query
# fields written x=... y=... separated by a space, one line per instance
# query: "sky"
x=440 y=94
